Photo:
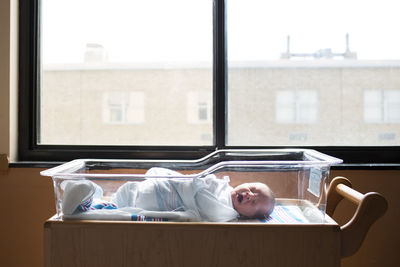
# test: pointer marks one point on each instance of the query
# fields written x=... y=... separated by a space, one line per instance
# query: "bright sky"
x=181 y=30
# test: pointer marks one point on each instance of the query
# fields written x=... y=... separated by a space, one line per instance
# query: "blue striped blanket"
x=282 y=214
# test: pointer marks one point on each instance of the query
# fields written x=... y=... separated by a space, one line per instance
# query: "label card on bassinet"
x=314 y=184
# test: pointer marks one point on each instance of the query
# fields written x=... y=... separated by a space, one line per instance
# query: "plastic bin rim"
x=64 y=170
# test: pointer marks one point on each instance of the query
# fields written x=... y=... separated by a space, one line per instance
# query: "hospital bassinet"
x=299 y=233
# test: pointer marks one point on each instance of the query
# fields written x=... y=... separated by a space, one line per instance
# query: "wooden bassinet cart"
x=111 y=243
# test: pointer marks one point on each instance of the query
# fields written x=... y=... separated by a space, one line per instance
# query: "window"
x=199 y=107
x=382 y=106
x=123 y=107
x=296 y=107
x=181 y=78
x=104 y=67
x=297 y=78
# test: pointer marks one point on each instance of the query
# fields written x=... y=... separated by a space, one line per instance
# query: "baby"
x=195 y=199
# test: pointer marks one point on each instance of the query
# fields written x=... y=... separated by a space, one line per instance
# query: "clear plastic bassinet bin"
x=179 y=190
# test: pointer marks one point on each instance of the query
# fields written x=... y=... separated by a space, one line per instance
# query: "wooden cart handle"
x=370 y=207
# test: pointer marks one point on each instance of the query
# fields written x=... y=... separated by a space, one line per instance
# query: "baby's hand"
x=242 y=188
x=248 y=195
x=244 y=195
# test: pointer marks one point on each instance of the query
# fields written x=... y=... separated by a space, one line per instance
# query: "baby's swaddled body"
x=177 y=199
x=207 y=198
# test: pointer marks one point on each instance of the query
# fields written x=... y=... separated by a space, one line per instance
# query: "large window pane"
x=126 y=72
x=318 y=73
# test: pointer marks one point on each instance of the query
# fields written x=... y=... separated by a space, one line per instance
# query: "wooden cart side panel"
x=147 y=244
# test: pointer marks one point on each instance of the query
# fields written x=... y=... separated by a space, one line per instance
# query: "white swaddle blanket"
x=178 y=199
x=205 y=199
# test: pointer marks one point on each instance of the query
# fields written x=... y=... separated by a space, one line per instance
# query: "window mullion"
x=220 y=81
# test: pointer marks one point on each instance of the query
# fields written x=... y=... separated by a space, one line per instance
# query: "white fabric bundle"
x=205 y=199
x=177 y=199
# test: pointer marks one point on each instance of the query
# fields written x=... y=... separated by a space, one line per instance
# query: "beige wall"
x=27 y=198
x=28 y=201
x=66 y=109
x=8 y=76
x=73 y=101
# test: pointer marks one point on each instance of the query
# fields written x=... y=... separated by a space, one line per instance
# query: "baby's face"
x=251 y=199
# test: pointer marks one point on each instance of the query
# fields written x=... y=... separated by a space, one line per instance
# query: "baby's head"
x=253 y=200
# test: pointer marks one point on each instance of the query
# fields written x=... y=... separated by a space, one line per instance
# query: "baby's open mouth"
x=240 y=198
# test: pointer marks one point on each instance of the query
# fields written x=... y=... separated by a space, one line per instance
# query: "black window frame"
x=29 y=123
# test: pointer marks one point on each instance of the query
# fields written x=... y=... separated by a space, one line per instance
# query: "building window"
x=296 y=106
x=199 y=107
x=382 y=106
x=204 y=111
x=123 y=107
